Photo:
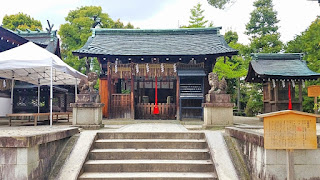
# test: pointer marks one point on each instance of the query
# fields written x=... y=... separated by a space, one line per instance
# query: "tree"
x=233 y=68
x=197 y=19
x=231 y=36
x=220 y=4
x=75 y=33
x=263 y=29
x=308 y=43
x=21 y=21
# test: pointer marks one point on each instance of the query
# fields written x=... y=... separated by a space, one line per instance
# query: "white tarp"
x=30 y=62
x=33 y=64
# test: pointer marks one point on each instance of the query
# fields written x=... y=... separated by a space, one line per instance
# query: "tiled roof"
x=45 y=39
x=139 y=42
x=279 y=66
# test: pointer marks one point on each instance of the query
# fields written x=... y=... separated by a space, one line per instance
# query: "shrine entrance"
x=136 y=84
x=137 y=63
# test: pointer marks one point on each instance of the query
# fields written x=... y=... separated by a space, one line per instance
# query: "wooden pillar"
x=178 y=97
x=132 y=91
x=104 y=95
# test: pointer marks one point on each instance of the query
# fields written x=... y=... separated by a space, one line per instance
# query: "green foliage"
x=263 y=28
x=263 y=19
x=75 y=33
x=21 y=21
x=268 y=43
x=255 y=104
x=220 y=4
x=231 y=36
x=197 y=19
x=231 y=68
x=309 y=44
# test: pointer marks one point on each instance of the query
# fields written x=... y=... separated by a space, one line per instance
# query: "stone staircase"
x=121 y=155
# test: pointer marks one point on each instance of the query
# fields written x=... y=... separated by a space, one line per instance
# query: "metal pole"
x=38 y=97
x=12 y=88
x=76 y=90
x=51 y=93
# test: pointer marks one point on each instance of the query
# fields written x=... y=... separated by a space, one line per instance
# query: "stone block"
x=270 y=156
x=276 y=172
x=218 y=116
x=281 y=157
x=218 y=98
x=299 y=156
x=312 y=156
x=88 y=98
x=8 y=156
x=87 y=115
x=307 y=171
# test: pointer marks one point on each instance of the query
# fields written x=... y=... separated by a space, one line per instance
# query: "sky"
x=295 y=15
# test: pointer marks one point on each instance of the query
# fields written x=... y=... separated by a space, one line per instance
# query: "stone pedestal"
x=87 y=111
x=218 y=111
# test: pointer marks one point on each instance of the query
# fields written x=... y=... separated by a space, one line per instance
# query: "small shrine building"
x=137 y=62
x=277 y=72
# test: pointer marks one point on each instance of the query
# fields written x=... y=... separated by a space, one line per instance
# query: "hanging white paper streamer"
x=175 y=67
x=116 y=68
x=303 y=85
x=273 y=83
x=283 y=83
x=147 y=67
x=293 y=83
x=4 y=83
x=137 y=68
x=162 y=67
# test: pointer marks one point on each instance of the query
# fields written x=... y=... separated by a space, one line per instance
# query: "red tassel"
x=289 y=95
x=156 y=108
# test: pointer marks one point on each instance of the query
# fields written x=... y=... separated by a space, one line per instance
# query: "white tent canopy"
x=30 y=63
x=33 y=64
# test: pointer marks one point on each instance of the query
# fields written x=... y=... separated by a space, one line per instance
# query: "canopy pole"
x=51 y=92
x=38 y=97
x=76 y=90
x=12 y=87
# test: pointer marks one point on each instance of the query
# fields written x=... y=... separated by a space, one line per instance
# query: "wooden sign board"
x=289 y=130
x=314 y=91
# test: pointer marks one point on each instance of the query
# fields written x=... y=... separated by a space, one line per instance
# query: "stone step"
x=148 y=175
x=148 y=135
x=149 y=166
x=150 y=144
x=173 y=154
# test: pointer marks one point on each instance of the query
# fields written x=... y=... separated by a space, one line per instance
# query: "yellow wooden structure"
x=314 y=91
x=289 y=129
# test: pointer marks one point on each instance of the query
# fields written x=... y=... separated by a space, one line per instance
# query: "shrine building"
x=137 y=64
x=278 y=72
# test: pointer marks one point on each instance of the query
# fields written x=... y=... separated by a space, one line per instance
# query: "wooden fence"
x=120 y=106
x=145 y=111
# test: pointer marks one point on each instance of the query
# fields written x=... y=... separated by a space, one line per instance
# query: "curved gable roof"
x=279 y=66
x=166 y=42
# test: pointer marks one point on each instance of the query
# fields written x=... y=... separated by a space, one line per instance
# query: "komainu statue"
x=213 y=82
x=216 y=85
x=87 y=85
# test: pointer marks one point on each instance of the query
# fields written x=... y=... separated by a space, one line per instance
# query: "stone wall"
x=271 y=164
x=23 y=158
